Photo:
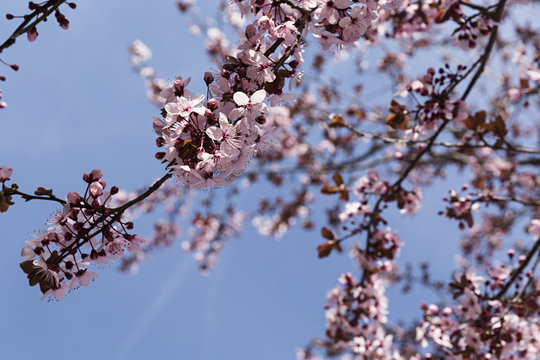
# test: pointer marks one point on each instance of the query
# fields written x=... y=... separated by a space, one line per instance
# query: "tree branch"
x=28 y=24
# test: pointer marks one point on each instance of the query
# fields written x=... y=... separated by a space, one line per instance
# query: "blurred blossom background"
x=75 y=105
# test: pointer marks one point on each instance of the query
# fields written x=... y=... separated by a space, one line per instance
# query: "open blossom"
x=354 y=25
x=329 y=10
x=250 y=106
x=227 y=133
x=183 y=106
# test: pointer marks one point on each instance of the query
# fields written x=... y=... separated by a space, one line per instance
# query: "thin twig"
x=27 y=24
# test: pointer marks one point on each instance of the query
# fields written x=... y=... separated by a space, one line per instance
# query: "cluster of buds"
x=86 y=231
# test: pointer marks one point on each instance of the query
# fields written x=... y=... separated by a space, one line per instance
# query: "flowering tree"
x=340 y=162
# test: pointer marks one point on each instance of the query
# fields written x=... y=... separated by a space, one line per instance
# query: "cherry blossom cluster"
x=209 y=142
x=356 y=317
x=357 y=311
x=87 y=231
x=485 y=323
x=413 y=19
x=438 y=107
x=333 y=23
x=208 y=233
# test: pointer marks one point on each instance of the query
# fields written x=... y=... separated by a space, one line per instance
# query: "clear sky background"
x=76 y=105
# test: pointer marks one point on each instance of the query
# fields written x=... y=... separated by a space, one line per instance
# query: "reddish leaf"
x=325 y=249
x=474 y=121
x=329 y=189
x=327 y=234
x=337 y=178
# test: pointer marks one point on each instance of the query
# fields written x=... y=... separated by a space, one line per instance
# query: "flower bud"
x=212 y=104
x=96 y=174
x=96 y=189
x=74 y=198
x=208 y=78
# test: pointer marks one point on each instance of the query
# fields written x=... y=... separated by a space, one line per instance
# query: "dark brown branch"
x=28 y=24
x=115 y=214
x=28 y=197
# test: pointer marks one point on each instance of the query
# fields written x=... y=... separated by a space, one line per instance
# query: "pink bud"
x=96 y=189
x=212 y=104
x=5 y=173
x=74 y=198
x=32 y=34
x=96 y=174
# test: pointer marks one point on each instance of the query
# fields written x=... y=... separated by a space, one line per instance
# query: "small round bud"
x=15 y=67
x=114 y=190
x=208 y=78
x=10 y=16
x=72 y=5
x=212 y=104
x=160 y=155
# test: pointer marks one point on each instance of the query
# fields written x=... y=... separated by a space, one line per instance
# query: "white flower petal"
x=173 y=108
x=258 y=96
x=214 y=133
x=240 y=98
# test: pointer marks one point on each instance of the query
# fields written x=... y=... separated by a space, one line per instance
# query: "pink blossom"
x=5 y=173
x=96 y=189
x=183 y=106
x=227 y=133
x=249 y=106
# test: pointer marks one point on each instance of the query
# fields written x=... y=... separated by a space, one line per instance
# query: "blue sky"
x=75 y=105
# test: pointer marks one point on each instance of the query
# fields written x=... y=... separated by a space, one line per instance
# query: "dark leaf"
x=325 y=249
x=327 y=234
x=337 y=178
x=41 y=191
x=329 y=189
